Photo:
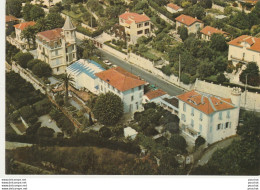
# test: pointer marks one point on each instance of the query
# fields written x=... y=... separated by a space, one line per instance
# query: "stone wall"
x=28 y=77
x=149 y=66
x=252 y=99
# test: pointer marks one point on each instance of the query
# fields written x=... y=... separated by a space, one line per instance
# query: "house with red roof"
x=136 y=25
x=212 y=117
x=173 y=8
x=22 y=43
x=244 y=49
x=129 y=87
x=154 y=96
x=192 y=24
x=208 y=31
x=57 y=47
x=10 y=21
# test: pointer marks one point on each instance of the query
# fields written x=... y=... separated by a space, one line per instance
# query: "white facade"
x=135 y=28
x=132 y=99
x=244 y=53
x=58 y=52
x=193 y=28
x=176 y=9
x=156 y=100
x=83 y=73
x=212 y=127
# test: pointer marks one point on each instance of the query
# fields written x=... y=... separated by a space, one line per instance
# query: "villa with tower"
x=57 y=47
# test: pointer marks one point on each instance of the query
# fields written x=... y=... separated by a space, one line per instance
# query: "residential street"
x=149 y=77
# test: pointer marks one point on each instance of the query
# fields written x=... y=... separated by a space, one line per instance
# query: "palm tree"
x=29 y=35
x=68 y=80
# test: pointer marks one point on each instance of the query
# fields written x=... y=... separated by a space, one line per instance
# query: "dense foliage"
x=108 y=108
x=251 y=74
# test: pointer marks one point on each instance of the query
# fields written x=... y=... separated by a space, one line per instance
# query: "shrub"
x=45 y=132
x=42 y=107
x=185 y=78
x=23 y=58
x=199 y=141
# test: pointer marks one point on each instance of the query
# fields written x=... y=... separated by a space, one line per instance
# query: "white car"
x=107 y=63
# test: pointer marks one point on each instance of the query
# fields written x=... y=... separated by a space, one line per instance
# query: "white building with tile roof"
x=212 y=117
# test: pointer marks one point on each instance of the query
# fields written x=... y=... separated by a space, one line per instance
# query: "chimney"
x=127 y=10
x=253 y=39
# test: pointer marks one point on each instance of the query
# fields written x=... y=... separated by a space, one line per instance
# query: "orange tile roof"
x=252 y=41
x=9 y=18
x=206 y=103
x=187 y=20
x=120 y=79
x=50 y=35
x=130 y=17
x=24 y=25
x=155 y=93
x=208 y=30
x=173 y=6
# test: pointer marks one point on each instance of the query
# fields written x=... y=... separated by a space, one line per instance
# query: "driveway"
x=209 y=152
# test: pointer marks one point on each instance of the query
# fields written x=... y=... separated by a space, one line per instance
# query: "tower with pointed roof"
x=69 y=31
x=57 y=47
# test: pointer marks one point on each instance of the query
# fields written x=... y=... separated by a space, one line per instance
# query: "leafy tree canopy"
x=108 y=108
x=23 y=58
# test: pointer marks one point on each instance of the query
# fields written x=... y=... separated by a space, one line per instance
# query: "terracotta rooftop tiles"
x=50 y=35
x=252 y=41
x=206 y=103
x=24 y=25
x=187 y=20
x=208 y=30
x=120 y=79
x=173 y=6
x=155 y=93
x=9 y=18
x=127 y=16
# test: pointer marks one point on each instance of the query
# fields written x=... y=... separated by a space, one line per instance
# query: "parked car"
x=107 y=63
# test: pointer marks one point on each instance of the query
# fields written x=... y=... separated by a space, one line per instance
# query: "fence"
x=249 y=100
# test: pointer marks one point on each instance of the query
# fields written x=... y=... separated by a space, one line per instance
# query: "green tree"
x=218 y=42
x=67 y=80
x=105 y=132
x=183 y=32
x=29 y=33
x=42 y=25
x=26 y=112
x=199 y=141
x=89 y=48
x=178 y=142
x=26 y=11
x=54 y=20
x=32 y=62
x=207 y=4
x=168 y=163
x=206 y=69
x=108 y=108
x=42 y=69
x=22 y=58
x=14 y=7
x=36 y=13
x=252 y=73
x=45 y=132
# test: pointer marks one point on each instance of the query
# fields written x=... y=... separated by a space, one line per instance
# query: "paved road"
x=149 y=77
